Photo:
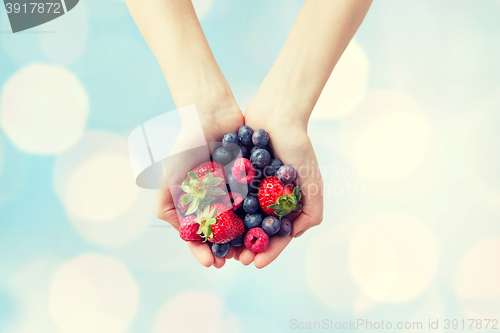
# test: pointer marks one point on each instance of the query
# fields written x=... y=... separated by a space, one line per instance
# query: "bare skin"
x=282 y=105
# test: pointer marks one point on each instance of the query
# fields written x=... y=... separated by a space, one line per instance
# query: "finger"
x=304 y=221
x=246 y=257
x=237 y=253
x=293 y=215
x=165 y=208
x=230 y=254
x=276 y=245
x=219 y=262
x=202 y=252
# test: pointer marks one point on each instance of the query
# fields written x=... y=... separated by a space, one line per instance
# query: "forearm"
x=318 y=38
x=174 y=34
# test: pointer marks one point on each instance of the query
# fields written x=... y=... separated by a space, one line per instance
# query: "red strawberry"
x=204 y=183
x=278 y=199
x=215 y=168
x=189 y=228
x=219 y=224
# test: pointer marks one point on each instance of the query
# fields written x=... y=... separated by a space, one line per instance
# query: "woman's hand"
x=217 y=119
x=287 y=97
x=316 y=42
x=291 y=144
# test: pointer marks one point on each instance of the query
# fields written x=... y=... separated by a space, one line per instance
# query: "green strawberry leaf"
x=200 y=230
x=193 y=176
x=214 y=182
x=212 y=212
x=209 y=199
x=297 y=193
x=193 y=206
x=208 y=178
x=216 y=191
x=185 y=188
x=209 y=233
x=187 y=198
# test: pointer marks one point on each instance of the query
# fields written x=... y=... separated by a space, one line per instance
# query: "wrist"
x=198 y=84
x=282 y=106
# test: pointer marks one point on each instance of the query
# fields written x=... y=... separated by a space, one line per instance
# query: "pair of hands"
x=282 y=106
x=290 y=143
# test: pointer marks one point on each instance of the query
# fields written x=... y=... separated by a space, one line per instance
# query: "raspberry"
x=243 y=171
x=256 y=240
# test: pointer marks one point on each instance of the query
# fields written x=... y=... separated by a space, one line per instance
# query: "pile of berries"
x=239 y=198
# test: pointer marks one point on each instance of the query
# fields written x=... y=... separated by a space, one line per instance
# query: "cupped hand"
x=215 y=121
x=290 y=143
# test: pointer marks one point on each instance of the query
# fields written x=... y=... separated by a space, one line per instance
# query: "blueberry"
x=285 y=227
x=245 y=152
x=252 y=220
x=222 y=156
x=253 y=187
x=260 y=158
x=220 y=250
x=286 y=174
x=238 y=241
x=245 y=135
x=234 y=186
x=254 y=148
x=260 y=138
x=273 y=167
x=230 y=141
x=251 y=204
x=270 y=225
x=241 y=151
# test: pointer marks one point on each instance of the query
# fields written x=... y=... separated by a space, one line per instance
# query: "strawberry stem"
x=287 y=203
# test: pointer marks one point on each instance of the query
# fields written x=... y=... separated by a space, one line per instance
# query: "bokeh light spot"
x=393 y=258
x=177 y=314
x=94 y=181
x=98 y=190
x=327 y=268
x=43 y=109
x=202 y=7
x=479 y=271
x=93 y=293
x=346 y=86
x=30 y=288
x=395 y=141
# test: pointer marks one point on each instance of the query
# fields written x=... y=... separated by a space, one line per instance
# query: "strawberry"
x=219 y=224
x=211 y=167
x=188 y=229
x=204 y=183
x=277 y=199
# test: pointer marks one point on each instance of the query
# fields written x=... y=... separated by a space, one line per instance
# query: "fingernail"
x=300 y=233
